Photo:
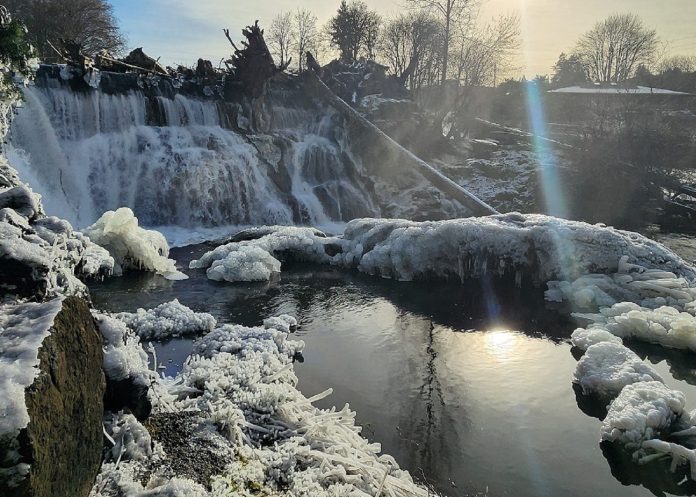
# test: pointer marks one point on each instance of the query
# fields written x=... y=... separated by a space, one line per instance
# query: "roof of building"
x=617 y=90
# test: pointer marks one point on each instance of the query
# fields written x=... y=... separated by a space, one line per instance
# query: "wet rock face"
x=63 y=441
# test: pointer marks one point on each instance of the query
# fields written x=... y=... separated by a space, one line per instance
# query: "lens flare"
x=552 y=191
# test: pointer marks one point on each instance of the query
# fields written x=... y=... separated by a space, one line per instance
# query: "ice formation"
x=23 y=328
x=652 y=305
x=664 y=326
x=167 y=320
x=284 y=323
x=541 y=247
x=607 y=367
x=124 y=357
x=584 y=338
x=132 y=246
x=244 y=264
x=642 y=411
x=241 y=380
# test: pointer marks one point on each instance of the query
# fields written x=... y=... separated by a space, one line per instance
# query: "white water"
x=87 y=153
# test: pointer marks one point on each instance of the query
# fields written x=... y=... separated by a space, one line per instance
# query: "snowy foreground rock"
x=232 y=422
x=51 y=391
x=541 y=248
x=42 y=256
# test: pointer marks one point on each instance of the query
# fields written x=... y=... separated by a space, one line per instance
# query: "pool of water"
x=468 y=386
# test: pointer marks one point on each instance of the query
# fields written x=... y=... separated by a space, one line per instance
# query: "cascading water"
x=174 y=163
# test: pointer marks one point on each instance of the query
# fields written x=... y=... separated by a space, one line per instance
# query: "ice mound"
x=542 y=247
x=257 y=259
x=167 y=320
x=641 y=412
x=132 y=246
x=584 y=338
x=232 y=338
x=607 y=367
x=244 y=264
x=284 y=323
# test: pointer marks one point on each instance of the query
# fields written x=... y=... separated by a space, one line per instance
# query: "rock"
x=22 y=200
x=128 y=394
x=59 y=451
x=194 y=448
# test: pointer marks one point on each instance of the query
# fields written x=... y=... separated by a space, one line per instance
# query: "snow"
x=608 y=367
x=23 y=328
x=167 y=320
x=641 y=412
x=132 y=246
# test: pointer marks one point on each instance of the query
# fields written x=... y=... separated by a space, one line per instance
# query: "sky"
x=181 y=31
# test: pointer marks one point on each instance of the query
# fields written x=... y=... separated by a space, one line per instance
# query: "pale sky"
x=180 y=31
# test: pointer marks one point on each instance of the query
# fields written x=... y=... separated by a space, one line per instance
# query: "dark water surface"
x=468 y=386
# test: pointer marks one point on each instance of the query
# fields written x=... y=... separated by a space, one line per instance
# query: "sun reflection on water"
x=502 y=344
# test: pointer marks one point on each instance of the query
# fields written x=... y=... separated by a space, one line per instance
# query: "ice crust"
x=541 y=247
x=132 y=246
x=23 y=328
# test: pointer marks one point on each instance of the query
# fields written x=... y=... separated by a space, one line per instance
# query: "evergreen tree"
x=354 y=30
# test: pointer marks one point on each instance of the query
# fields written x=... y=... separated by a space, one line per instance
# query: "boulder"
x=51 y=419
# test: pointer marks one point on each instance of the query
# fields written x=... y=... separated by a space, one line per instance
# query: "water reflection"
x=502 y=345
x=466 y=385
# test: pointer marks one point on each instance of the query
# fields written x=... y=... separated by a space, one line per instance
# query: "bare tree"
x=484 y=53
x=681 y=63
x=280 y=36
x=451 y=13
x=305 y=34
x=89 y=23
x=613 y=49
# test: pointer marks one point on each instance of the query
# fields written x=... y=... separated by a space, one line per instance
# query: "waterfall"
x=174 y=163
